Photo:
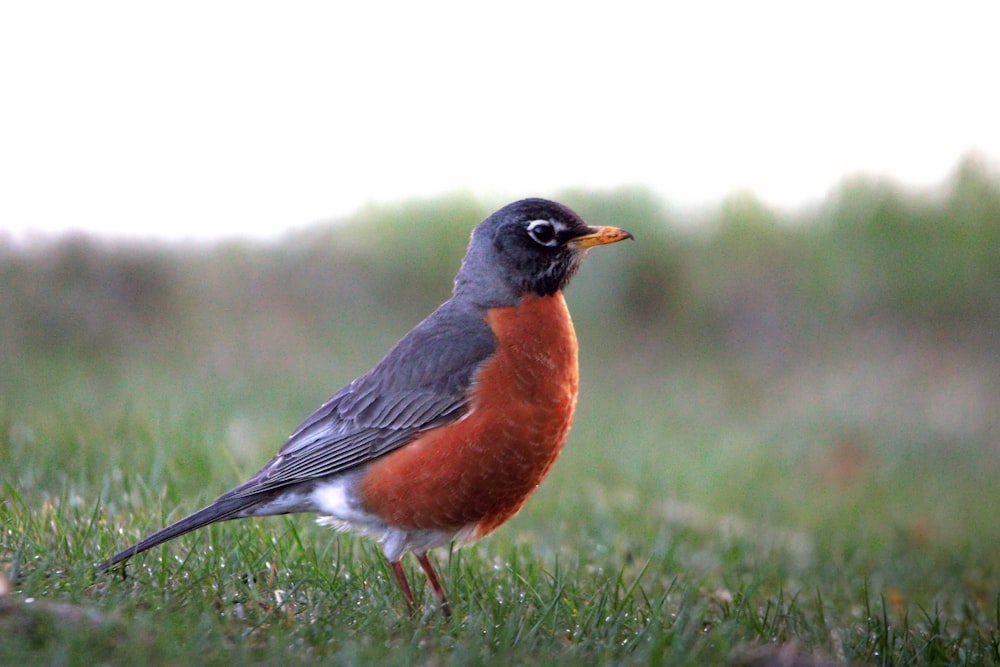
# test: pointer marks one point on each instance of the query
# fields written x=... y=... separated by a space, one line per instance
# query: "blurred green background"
x=826 y=379
x=836 y=342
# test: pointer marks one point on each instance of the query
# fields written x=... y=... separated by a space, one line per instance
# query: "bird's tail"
x=221 y=510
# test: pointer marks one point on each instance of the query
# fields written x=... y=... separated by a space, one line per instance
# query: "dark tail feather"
x=221 y=510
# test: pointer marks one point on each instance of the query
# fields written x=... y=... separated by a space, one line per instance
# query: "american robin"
x=445 y=439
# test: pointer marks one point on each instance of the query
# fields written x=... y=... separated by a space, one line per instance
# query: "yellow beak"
x=599 y=236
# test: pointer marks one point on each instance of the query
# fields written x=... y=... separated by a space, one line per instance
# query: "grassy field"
x=750 y=497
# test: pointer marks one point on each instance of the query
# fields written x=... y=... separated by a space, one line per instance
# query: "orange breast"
x=481 y=469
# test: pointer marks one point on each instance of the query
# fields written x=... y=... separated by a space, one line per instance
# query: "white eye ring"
x=543 y=232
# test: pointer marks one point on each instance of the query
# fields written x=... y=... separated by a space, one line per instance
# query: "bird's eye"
x=543 y=232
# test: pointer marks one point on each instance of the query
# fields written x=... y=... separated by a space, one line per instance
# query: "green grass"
x=664 y=536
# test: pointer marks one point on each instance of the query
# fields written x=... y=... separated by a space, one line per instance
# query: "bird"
x=449 y=434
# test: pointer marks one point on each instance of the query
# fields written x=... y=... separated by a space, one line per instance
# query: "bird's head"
x=532 y=246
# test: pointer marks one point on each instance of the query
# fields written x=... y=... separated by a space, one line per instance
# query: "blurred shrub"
x=83 y=294
x=409 y=252
x=745 y=279
x=880 y=250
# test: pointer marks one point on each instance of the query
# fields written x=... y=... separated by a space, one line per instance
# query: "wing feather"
x=422 y=383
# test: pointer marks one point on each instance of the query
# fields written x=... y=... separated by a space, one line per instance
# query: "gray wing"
x=422 y=383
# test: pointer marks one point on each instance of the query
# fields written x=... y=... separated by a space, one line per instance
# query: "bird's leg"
x=397 y=570
x=425 y=564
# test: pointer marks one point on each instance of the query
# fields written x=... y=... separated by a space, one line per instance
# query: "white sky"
x=202 y=118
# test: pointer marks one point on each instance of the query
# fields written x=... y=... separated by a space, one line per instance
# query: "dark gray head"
x=533 y=246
